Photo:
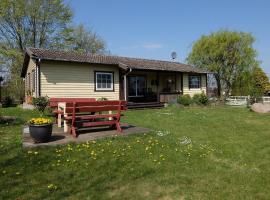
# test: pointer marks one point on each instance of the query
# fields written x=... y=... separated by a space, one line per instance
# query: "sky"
x=155 y=28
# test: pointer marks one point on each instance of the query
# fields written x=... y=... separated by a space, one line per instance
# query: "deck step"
x=145 y=105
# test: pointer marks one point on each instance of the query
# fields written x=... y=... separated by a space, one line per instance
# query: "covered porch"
x=149 y=86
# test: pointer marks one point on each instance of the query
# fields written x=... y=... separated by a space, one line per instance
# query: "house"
x=71 y=74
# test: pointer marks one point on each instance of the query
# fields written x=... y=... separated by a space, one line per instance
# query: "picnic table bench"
x=53 y=104
x=93 y=114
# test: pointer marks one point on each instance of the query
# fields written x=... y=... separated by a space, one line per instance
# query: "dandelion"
x=36 y=153
x=52 y=187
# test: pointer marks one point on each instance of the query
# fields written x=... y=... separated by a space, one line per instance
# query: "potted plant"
x=40 y=128
x=29 y=97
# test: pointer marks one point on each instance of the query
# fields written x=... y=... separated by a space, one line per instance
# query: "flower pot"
x=41 y=133
x=29 y=99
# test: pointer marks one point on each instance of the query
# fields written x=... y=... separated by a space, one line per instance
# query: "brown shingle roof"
x=122 y=62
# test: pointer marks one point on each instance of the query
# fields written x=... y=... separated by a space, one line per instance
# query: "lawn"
x=191 y=153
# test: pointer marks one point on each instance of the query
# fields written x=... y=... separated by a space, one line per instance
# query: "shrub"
x=8 y=101
x=41 y=103
x=185 y=100
x=203 y=99
x=102 y=99
x=200 y=99
x=196 y=99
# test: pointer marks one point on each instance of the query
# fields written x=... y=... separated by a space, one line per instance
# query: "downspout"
x=125 y=83
x=38 y=61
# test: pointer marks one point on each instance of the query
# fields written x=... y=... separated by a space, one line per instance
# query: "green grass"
x=228 y=158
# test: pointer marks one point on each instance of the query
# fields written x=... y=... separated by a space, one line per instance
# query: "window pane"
x=104 y=81
x=109 y=85
x=194 y=81
x=98 y=78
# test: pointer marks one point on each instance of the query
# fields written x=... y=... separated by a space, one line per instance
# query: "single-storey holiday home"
x=78 y=75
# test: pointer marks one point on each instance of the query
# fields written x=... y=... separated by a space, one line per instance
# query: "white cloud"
x=152 y=46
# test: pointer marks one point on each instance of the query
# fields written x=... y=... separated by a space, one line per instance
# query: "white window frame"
x=200 y=82
x=104 y=89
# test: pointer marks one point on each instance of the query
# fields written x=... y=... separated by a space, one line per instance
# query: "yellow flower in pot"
x=40 y=129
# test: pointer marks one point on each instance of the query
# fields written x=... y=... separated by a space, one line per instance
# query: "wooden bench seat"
x=93 y=114
x=53 y=104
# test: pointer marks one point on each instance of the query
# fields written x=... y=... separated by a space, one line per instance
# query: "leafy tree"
x=225 y=53
x=260 y=82
x=42 y=24
x=36 y=23
x=254 y=83
x=84 y=40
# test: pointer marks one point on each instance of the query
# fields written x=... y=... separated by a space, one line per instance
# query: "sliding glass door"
x=136 y=86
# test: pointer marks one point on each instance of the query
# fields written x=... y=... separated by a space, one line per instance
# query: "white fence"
x=243 y=100
x=237 y=100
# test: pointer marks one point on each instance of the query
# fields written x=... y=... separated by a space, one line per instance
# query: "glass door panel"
x=136 y=86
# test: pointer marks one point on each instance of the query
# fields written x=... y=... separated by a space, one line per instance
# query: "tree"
x=260 y=82
x=84 y=40
x=41 y=24
x=225 y=53
x=36 y=23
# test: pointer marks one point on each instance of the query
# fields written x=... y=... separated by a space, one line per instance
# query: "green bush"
x=185 y=100
x=8 y=101
x=41 y=103
x=196 y=99
x=200 y=99
x=102 y=99
x=203 y=99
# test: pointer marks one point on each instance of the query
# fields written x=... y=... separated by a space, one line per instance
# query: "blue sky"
x=155 y=28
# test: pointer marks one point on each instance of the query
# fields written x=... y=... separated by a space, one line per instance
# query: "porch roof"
x=121 y=62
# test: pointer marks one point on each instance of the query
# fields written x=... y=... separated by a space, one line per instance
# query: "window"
x=194 y=81
x=33 y=81
x=28 y=82
x=104 y=81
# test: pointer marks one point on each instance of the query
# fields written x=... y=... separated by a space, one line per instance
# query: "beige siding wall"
x=29 y=79
x=191 y=92
x=62 y=79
